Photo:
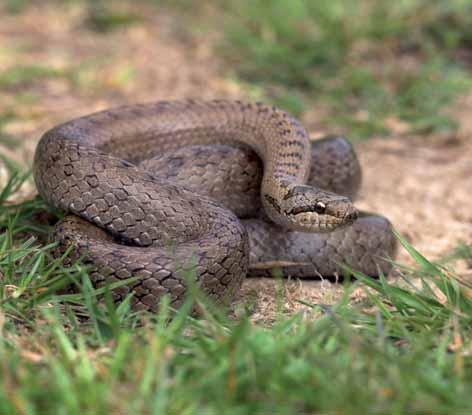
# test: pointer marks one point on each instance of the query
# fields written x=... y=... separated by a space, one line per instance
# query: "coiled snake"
x=141 y=204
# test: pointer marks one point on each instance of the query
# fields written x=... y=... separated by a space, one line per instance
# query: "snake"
x=171 y=193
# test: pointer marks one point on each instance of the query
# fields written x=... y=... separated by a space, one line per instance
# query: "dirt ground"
x=421 y=184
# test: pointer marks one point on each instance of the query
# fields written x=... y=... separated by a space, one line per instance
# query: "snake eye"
x=320 y=207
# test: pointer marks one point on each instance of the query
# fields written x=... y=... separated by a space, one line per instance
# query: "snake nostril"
x=352 y=216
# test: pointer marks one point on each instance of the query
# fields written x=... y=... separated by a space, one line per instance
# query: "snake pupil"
x=320 y=207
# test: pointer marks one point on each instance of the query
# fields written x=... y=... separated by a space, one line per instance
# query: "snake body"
x=135 y=210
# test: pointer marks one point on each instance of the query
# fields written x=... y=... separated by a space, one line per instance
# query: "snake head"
x=309 y=209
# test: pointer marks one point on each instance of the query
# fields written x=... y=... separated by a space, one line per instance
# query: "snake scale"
x=153 y=191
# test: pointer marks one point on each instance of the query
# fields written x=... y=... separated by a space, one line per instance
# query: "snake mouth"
x=348 y=217
x=307 y=219
x=303 y=209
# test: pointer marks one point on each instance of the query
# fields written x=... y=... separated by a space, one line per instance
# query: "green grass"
x=402 y=350
x=369 y=62
x=7 y=116
x=16 y=6
x=24 y=75
x=103 y=17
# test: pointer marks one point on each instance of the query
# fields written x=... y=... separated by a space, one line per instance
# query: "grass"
x=401 y=350
x=103 y=18
x=23 y=75
x=16 y=6
x=374 y=64
x=5 y=117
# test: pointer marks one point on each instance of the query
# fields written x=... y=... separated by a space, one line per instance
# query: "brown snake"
x=131 y=189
